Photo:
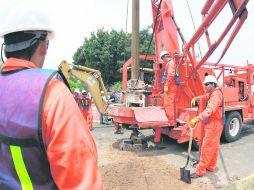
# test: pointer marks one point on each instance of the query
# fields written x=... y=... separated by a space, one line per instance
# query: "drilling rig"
x=142 y=106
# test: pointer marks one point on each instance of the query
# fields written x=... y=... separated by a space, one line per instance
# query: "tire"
x=233 y=127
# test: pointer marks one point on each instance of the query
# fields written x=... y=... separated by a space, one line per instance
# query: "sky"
x=74 y=21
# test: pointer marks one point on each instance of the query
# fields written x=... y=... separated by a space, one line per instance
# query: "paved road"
x=235 y=160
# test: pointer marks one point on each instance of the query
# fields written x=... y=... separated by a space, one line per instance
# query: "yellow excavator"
x=92 y=80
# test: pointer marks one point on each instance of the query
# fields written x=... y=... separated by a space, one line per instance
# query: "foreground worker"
x=86 y=102
x=44 y=144
x=170 y=87
x=213 y=123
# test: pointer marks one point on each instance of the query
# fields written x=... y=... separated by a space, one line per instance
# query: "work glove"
x=193 y=102
x=166 y=88
x=193 y=122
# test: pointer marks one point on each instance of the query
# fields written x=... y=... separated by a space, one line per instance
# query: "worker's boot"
x=210 y=169
x=194 y=175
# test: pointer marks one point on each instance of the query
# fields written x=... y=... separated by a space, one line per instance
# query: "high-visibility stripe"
x=177 y=71
x=20 y=167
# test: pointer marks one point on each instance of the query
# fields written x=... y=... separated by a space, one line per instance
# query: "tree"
x=144 y=41
x=76 y=84
x=107 y=51
x=104 y=51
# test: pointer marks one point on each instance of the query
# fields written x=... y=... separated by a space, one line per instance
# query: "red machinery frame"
x=192 y=72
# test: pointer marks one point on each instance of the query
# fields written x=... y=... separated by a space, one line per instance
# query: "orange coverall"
x=70 y=147
x=170 y=89
x=213 y=130
x=87 y=111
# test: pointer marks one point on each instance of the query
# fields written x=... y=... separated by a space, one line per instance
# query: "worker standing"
x=76 y=95
x=86 y=102
x=104 y=117
x=213 y=123
x=170 y=87
x=44 y=144
x=78 y=98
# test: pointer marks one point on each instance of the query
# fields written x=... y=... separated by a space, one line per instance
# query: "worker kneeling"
x=213 y=123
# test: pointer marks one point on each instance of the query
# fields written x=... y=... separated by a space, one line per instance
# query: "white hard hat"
x=77 y=91
x=163 y=53
x=83 y=91
x=102 y=92
x=27 y=17
x=210 y=78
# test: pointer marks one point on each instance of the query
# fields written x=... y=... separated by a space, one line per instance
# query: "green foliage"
x=144 y=38
x=118 y=86
x=107 y=51
x=76 y=84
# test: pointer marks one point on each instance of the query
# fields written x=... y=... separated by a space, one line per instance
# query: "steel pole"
x=135 y=40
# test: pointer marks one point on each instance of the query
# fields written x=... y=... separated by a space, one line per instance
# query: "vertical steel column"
x=135 y=40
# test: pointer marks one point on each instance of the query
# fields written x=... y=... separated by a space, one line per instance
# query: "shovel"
x=184 y=173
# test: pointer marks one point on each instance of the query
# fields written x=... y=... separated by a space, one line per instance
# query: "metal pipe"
x=234 y=33
x=207 y=6
x=135 y=40
x=216 y=9
x=229 y=26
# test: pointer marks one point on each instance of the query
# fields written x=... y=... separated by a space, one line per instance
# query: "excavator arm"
x=90 y=77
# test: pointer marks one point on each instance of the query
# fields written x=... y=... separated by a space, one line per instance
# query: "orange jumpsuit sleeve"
x=214 y=103
x=70 y=147
x=202 y=97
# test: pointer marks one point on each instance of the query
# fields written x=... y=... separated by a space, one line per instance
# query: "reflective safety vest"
x=23 y=161
x=85 y=103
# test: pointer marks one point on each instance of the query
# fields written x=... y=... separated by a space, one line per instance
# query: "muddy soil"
x=137 y=170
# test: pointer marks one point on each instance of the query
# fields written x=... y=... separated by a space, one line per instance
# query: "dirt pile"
x=124 y=170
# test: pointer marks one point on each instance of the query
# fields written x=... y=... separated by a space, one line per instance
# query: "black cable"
x=194 y=26
x=155 y=23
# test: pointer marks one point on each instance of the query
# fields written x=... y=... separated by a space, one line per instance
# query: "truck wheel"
x=233 y=127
